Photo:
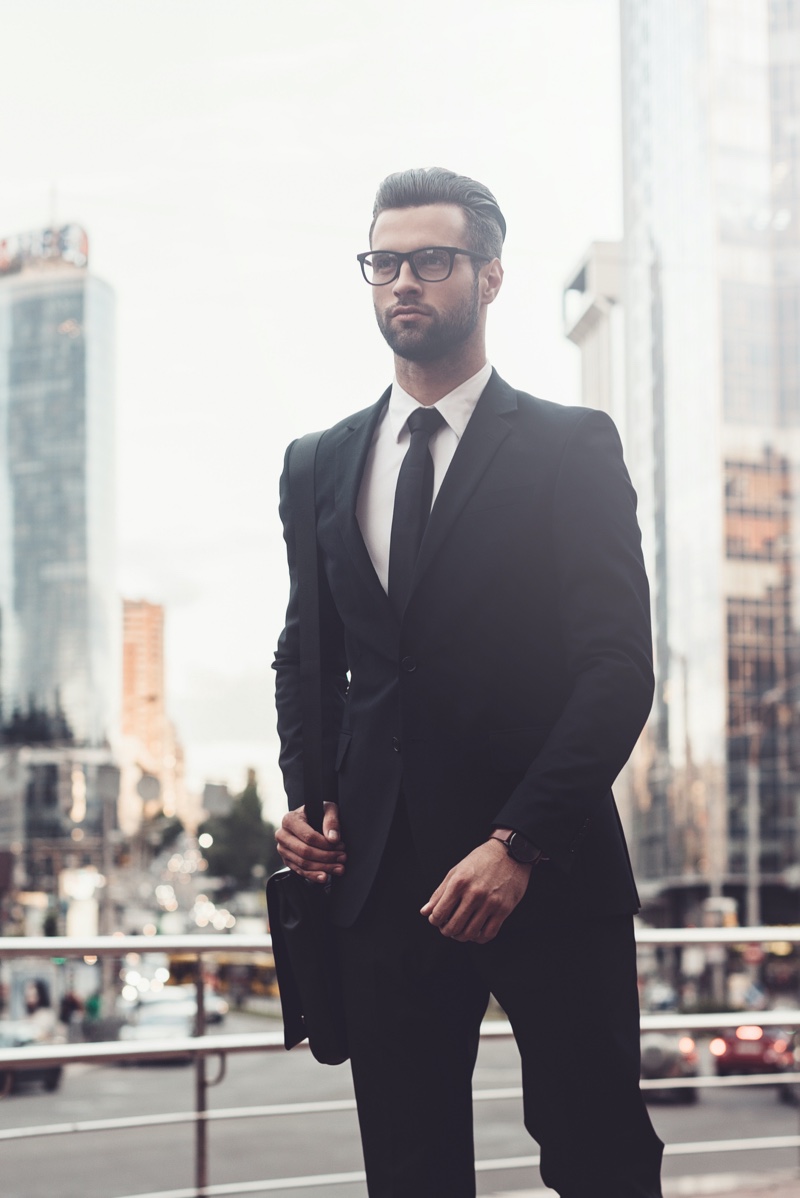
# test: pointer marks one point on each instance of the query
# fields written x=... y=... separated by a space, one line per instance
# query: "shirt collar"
x=456 y=407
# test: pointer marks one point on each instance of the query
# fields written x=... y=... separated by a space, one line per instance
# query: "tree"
x=242 y=840
x=160 y=831
x=37 y=726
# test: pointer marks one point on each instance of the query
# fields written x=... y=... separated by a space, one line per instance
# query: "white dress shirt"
x=389 y=445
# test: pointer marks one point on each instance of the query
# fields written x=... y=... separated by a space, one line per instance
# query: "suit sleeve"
x=287 y=668
x=604 y=615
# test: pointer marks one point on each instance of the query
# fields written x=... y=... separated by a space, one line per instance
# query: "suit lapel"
x=483 y=436
x=351 y=457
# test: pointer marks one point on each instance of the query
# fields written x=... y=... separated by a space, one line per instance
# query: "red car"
x=750 y=1048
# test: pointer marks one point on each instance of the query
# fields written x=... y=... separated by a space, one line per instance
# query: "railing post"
x=201 y=1126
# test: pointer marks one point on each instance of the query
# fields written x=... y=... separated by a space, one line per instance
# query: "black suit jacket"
x=513 y=690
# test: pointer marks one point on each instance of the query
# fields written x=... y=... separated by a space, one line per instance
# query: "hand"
x=312 y=855
x=478 y=894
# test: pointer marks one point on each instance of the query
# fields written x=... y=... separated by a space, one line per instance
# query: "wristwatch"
x=520 y=848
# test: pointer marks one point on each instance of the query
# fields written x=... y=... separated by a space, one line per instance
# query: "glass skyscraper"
x=711 y=295
x=60 y=629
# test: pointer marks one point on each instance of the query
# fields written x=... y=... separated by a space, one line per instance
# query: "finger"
x=312 y=859
x=443 y=909
x=468 y=927
x=462 y=924
x=474 y=930
x=484 y=936
x=474 y=913
x=309 y=876
x=296 y=852
x=490 y=929
x=436 y=897
x=312 y=875
x=299 y=855
x=320 y=851
x=432 y=901
x=452 y=914
x=300 y=829
x=330 y=822
x=488 y=933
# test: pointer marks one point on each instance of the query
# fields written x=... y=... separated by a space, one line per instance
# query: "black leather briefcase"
x=307 y=966
x=303 y=942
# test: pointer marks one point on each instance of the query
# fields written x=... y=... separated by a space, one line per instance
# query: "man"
x=482 y=690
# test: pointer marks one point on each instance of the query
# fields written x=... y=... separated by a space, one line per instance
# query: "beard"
x=437 y=336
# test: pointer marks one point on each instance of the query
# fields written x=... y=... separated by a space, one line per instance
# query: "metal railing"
x=201 y=1047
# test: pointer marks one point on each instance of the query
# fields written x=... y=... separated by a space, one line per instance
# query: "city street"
x=113 y=1164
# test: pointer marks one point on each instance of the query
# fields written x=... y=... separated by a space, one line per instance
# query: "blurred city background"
x=185 y=186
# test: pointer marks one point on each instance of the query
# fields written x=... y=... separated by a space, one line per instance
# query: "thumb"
x=330 y=822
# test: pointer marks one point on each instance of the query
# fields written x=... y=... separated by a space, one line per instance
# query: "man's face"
x=424 y=321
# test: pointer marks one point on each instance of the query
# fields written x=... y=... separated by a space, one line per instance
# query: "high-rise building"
x=59 y=613
x=711 y=295
x=593 y=320
x=143 y=699
x=152 y=754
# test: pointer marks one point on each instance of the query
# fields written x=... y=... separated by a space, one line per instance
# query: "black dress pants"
x=415 y=1001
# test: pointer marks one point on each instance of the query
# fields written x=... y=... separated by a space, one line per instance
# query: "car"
x=751 y=1048
x=791 y=1091
x=667 y=1055
x=170 y=1020
x=21 y=1033
x=215 y=1007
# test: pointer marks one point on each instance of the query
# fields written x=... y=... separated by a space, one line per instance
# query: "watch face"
x=521 y=849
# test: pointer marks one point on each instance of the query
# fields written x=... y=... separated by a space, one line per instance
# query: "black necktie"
x=412 y=504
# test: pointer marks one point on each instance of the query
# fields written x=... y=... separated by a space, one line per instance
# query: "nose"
x=406 y=281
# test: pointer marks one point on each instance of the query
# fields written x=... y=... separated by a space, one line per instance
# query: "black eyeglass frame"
x=409 y=258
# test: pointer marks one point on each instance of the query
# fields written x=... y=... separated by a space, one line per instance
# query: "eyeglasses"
x=432 y=264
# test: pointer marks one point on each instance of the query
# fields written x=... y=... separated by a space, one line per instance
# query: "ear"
x=491 y=280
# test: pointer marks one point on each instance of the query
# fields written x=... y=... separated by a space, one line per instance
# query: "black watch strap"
x=520 y=848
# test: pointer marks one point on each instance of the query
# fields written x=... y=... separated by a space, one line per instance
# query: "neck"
x=429 y=381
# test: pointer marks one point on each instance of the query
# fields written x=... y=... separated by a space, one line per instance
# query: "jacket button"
x=409 y=665
x=396 y=744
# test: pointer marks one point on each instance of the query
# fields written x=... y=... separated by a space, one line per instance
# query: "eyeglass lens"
x=432 y=265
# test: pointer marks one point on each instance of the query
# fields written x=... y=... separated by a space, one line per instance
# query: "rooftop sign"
x=68 y=244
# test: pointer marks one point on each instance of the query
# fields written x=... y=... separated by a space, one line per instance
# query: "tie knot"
x=425 y=420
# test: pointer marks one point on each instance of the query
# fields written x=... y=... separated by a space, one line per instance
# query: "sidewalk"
x=734 y=1185
x=706 y=1185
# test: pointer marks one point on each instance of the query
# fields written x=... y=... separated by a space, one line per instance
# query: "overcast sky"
x=223 y=156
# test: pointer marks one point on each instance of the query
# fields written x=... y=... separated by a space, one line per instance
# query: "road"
x=113 y=1164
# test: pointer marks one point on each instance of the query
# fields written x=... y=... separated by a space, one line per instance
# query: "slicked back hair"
x=485 y=223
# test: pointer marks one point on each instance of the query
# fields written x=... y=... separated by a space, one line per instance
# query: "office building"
x=594 y=321
x=711 y=296
x=153 y=755
x=143 y=700
x=59 y=614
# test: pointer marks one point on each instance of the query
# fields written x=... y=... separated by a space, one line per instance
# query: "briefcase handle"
x=302 y=490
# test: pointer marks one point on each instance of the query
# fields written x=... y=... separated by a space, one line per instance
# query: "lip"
x=399 y=313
